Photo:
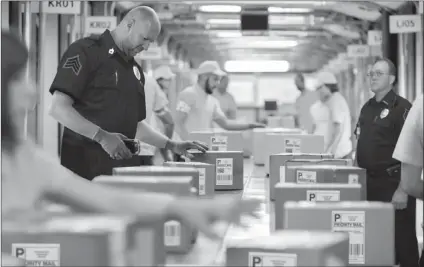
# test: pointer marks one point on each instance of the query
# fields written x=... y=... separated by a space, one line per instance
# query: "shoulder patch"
x=74 y=64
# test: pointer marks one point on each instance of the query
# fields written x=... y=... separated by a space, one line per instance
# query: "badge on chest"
x=384 y=113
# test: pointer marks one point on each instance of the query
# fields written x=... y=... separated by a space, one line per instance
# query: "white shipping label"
x=353 y=178
x=37 y=254
x=219 y=143
x=283 y=174
x=202 y=181
x=306 y=177
x=224 y=171
x=352 y=222
x=172 y=234
x=322 y=195
x=292 y=145
x=263 y=259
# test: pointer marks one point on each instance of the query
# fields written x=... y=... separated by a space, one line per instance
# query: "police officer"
x=379 y=126
x=98 y=96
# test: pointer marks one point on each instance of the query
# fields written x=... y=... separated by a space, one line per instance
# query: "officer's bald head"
x=142 y=26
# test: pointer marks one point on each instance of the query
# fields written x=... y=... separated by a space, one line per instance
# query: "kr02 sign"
x=98 y=24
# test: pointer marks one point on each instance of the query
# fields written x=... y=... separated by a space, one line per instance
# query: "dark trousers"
x=406 y=243
x=422 y=259
x=89 y=160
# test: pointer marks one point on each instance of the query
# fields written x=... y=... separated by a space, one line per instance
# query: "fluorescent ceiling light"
x=276 y=9
x=223 y=21
x=228 y=34
x=220 y=8
x=287 y=20
x=272 y=44
x=257 y=66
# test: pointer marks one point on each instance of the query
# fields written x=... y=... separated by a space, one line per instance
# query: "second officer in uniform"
x=98 y=96
x=378 y=129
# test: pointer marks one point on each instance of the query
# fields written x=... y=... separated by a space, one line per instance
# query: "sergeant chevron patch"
x=74 y=64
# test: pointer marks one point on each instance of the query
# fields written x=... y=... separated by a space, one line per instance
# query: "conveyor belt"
x=205 y=250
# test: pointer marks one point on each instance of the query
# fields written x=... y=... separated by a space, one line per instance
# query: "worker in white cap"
x=226 y=100
x=339 y=143
x=196 y=107
x=156 y=105
x=164 y=122
x=164 y=76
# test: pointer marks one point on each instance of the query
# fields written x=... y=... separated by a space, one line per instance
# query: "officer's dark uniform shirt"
x=108 y=90
x=106 y=85
x=378 y=129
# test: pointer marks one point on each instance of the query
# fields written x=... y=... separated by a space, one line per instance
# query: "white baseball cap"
x=326 y=78
x=164 y=72
x=210 y=67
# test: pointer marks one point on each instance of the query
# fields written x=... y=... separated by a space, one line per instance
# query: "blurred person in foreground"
x=339 y=140
x=29 y=175
x=226 y=100
x=306 y=99
x=197 y=109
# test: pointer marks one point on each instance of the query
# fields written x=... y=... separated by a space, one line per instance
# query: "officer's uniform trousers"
x=380 y=187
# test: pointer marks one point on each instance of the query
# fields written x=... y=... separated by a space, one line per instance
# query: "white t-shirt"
x=340 y=113
x=409 y=147
x=201 y=109
x=155 y=101
x=321 y=116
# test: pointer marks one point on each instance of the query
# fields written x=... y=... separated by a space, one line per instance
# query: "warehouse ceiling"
x=307 y=34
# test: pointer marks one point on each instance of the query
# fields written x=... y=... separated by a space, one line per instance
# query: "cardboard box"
x=84 y=240
x=286 y=192
x=289 y=248
x=163 y=171
x=220 y=140
x=371 y=227
x=278 y=163
x=206 y=176
x=178 y=236
x=228 y=166
x=332 y=174
x=258 y=138
x=288 y=171
x=292 y=143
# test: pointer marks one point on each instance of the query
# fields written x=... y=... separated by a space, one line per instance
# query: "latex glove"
x=182 y=147
x=400 y=199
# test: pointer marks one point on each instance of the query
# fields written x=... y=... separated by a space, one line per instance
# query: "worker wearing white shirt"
x=196 y=107
x=164 y=77
x=226 y=100
x=409 y=151
x=320 y=113
x=156 y=104
x=339 y=143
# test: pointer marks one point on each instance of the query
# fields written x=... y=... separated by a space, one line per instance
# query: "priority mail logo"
x=38 y=254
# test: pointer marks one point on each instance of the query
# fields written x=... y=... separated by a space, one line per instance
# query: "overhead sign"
x=56 y=7
x=154 y=52
x=355 y=51
x=375 y=37
x=405 y=23
x=97 y=25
